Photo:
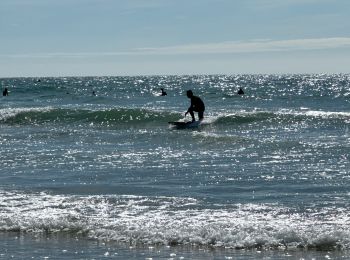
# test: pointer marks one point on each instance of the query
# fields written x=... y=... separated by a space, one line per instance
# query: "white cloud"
x=254 y=46
x=284 y=3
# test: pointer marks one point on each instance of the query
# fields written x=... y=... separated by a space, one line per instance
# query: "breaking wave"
x=282 y=116
x=61 y=115
x=175 y=221
x=117 y=116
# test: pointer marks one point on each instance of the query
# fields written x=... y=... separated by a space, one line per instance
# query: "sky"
x=173 y=37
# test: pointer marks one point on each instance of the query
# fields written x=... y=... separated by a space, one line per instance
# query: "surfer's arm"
x=191 y=107
x=189 y=110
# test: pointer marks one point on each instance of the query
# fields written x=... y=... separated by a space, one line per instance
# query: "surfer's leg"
x=192 y=115
x=201 y=115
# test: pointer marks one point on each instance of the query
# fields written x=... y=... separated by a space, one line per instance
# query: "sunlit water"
x=267 y=174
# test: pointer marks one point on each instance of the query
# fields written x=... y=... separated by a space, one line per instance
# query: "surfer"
x=197 y=105
x=5 y=92
x=240 y=91
x=163 y=92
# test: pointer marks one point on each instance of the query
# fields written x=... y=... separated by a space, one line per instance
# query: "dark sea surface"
x=102 y=175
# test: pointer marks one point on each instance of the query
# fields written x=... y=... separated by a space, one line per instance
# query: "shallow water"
x=266 y=173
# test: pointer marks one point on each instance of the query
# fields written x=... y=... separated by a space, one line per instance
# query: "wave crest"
x=174 y=221
x=134 y=116
x=61 y=115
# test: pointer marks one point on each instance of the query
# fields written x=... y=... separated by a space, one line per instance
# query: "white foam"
x=315 y=113
x=6 y=113
x=172 y=221
x=327 y=114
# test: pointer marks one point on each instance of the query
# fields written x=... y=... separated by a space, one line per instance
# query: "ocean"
x=91 y=169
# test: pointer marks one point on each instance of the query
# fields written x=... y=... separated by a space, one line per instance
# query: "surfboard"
x=188 y=124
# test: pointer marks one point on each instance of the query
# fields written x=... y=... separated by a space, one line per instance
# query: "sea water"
x=91 y=169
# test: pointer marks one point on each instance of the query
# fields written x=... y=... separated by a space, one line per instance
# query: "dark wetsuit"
x=197 y=105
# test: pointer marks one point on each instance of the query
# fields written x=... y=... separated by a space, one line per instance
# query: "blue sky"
x=152 y=37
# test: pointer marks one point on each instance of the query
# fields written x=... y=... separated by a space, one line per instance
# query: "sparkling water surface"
x=267 y=173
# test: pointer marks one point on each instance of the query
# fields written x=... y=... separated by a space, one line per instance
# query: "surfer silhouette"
x=197 y=105
x=5 y=92
x=240 y=91
x=163 y=92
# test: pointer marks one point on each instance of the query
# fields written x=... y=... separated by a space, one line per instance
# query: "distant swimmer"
x=163 y=92
x=197 y=105
x=5 y=92
x=240 y=91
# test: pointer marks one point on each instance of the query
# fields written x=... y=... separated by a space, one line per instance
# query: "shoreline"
x=19 y=245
